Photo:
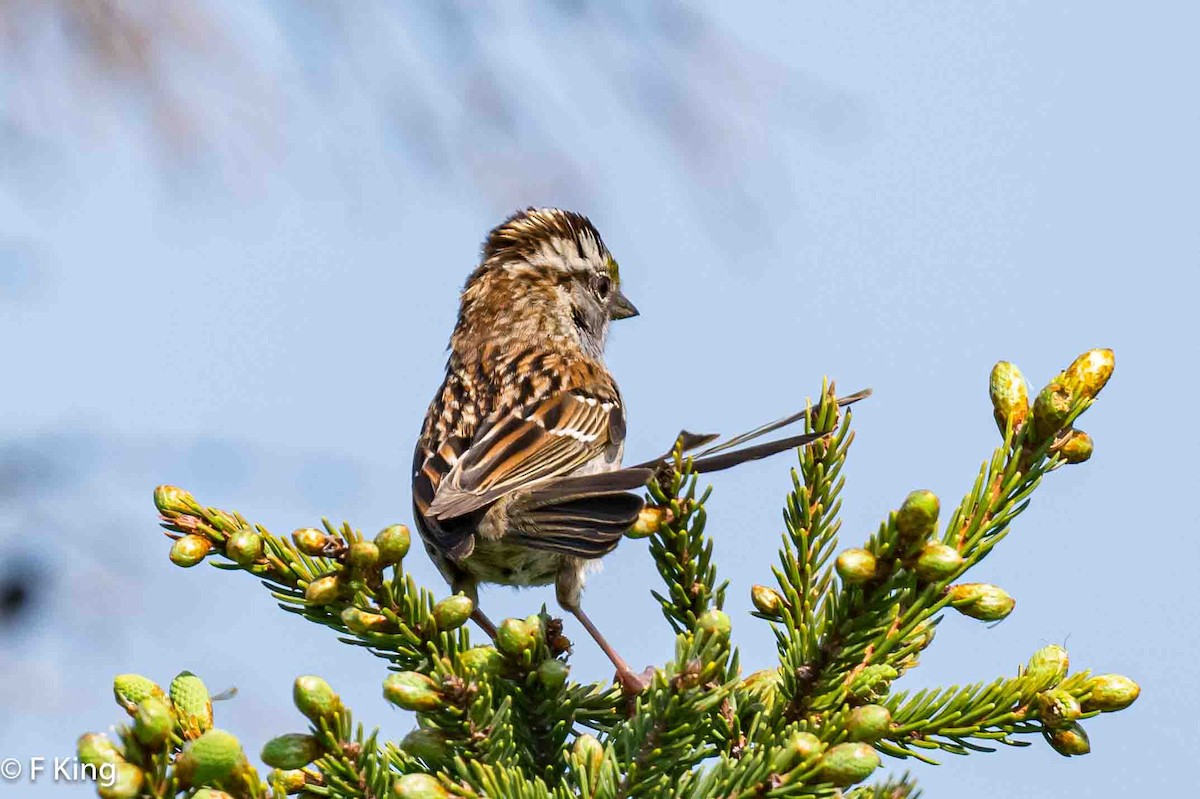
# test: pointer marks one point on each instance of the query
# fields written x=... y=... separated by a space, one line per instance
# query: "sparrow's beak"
x=620 y=307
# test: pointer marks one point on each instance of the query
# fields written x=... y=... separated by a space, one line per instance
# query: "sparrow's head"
x=544 y=273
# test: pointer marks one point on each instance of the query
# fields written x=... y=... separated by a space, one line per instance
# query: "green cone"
x=1111 y=692
x=315 y=698
x=189 y=550
x=848 y=763
x=981 y=601
x=412 y=691
x=193 y=707
x=126 y=783
x=856 y=566
x=310 y=541
x=393 y=543
x=210 y=793
x=130 y=689
x=868 y=723
x=1009 y=394
x=210 y=758
x=244 y=547
x=153 y=722
x=418 y=786
x=292 y=751
x=1070 y=741
x=453 y=612
x=938 y=562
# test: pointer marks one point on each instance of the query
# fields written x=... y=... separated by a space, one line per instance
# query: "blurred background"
x=232 y=236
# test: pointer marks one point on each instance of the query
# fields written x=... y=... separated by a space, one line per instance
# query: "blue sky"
x=246 y=289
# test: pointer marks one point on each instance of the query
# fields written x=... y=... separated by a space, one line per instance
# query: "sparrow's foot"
x=633 y=685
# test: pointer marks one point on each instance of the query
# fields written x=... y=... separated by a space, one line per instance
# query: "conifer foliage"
x=504 y=719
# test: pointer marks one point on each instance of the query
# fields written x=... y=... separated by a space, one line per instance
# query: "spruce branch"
x=506 y=719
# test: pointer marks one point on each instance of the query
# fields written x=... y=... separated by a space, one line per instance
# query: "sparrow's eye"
x=603 y=286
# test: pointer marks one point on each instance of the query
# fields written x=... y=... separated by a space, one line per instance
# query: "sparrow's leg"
x=568 y=588
x=462 y=583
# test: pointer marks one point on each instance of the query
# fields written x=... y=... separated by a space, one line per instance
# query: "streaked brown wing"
x=548 y=438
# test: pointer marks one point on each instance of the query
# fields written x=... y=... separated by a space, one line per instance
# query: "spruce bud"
x=767 y=601
x=363 y=555
x=981 y=601
x=798 y=747
x=1051 y=409
x=393 y=543
x=193 y=707
x=1069 y=741
x=292 y=751
x=516 y=637
x=418 y=786
x=872 y=682
x=453 y=612
x=481 y=659
x=714 y=622
x=1077 y=448
x=917 y=518
x=412 y=691
x=174 y=500
x=153 y=721
x=131 y=689
x=649 y=520
x=244 y=547
x=938 y=562
x=315 y=699
x=429 y=745
x=856 y=566
x=293 y=780
x=363 y=621
x=848 y=763
x=126 y=783
x=189 y=550
x=1111 y=692
x=95 y=749
x=1047 y=667
x=553 y=674
x=310 y=541
x=1010 y=396
x=868 y=723
x=323 y=590
x=1057 y=708
x=589 y=750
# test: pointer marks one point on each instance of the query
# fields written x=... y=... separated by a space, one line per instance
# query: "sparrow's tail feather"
x=705 y=460
x=586 y=526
